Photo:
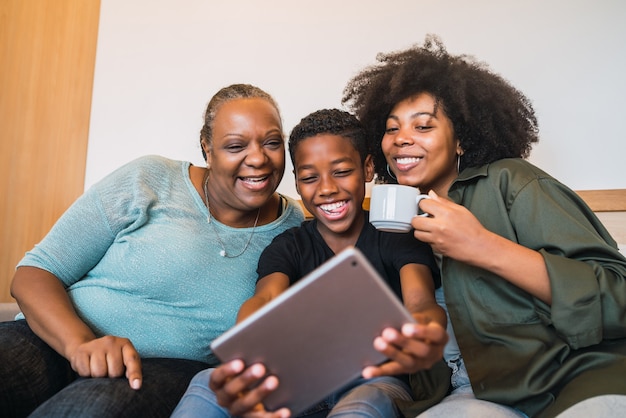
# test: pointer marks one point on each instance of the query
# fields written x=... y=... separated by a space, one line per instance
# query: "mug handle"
x=418 y=199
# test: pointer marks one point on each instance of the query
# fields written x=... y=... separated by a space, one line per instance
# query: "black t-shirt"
x=298 y=251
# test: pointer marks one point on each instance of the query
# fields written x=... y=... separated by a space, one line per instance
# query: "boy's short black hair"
x=333 y=122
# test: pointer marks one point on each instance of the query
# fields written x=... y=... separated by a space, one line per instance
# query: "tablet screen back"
x=318 y=335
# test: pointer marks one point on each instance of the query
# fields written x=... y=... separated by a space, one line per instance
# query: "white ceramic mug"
x=392 y=206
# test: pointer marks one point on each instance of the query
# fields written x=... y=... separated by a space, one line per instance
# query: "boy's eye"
x=343 y=173
x=307 y=179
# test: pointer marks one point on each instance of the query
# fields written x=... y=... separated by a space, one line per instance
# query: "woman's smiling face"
x=246 y=155
x=420 y=146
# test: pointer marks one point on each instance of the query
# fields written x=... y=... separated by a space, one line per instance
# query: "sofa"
x=8 y=311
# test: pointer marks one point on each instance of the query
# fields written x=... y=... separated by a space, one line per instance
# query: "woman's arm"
x=50 y=314
x=565 y=258
x=454 y=232
x=48 y=310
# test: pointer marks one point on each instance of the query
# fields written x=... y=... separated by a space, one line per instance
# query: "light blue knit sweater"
x=139 y=260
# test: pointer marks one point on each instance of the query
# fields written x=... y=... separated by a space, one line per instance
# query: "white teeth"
x=332 y=206
x=407 y=160
x=255 y=180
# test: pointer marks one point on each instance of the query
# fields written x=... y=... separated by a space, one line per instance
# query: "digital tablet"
x=318 y=335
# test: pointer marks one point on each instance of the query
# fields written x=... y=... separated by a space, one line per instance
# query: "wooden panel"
x=615 y=222
x=610 y=206
x=608 y=200
x=47 y=59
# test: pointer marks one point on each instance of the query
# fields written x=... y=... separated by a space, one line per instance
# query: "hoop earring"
x=458 y=163
x=390 y=173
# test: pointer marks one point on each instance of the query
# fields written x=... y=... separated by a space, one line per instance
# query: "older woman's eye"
x=274 y=143
x=234 y=147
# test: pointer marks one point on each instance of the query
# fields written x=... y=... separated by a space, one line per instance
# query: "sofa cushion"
x=8 y=311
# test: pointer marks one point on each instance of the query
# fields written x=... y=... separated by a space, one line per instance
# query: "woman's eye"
x=274 y=143
x=390 y=130
x=234 y=147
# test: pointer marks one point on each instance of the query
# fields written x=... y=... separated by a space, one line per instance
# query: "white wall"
x=159 y=61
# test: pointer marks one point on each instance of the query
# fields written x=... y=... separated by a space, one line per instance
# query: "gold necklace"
x=223 y=252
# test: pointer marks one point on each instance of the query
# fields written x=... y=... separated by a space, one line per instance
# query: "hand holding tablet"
x=317 y=335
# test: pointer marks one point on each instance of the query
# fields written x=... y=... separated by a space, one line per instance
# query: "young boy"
x=331 y=165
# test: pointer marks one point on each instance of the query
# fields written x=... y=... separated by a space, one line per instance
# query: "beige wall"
x=160 y=61
x=47 y=58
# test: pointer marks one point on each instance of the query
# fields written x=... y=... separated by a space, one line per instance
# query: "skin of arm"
x=454 y=231
x=267 y=288
x=51 y=315
x=416 y=346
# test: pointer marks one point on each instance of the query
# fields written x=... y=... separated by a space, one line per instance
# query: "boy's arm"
x=267 y=288
x=418 y=293
x=417 y=346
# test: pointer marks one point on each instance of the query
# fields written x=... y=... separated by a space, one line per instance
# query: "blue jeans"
x=35 y=379
x=462 y=403
x=361 y=398
x=605 y=406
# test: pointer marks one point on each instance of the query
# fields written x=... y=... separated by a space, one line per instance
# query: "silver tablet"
x=318 y=335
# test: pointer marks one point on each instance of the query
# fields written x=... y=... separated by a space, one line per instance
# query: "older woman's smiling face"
x=247 y=154
x=420 y=146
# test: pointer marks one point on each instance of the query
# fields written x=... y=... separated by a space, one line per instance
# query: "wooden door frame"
x=47 y=54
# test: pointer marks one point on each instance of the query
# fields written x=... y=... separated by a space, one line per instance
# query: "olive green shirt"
x=518 y=350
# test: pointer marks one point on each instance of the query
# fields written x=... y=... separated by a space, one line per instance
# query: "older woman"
x=124 y=295
x=534 y=284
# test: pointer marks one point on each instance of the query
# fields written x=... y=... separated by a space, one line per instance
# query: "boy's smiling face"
x=330 y=179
